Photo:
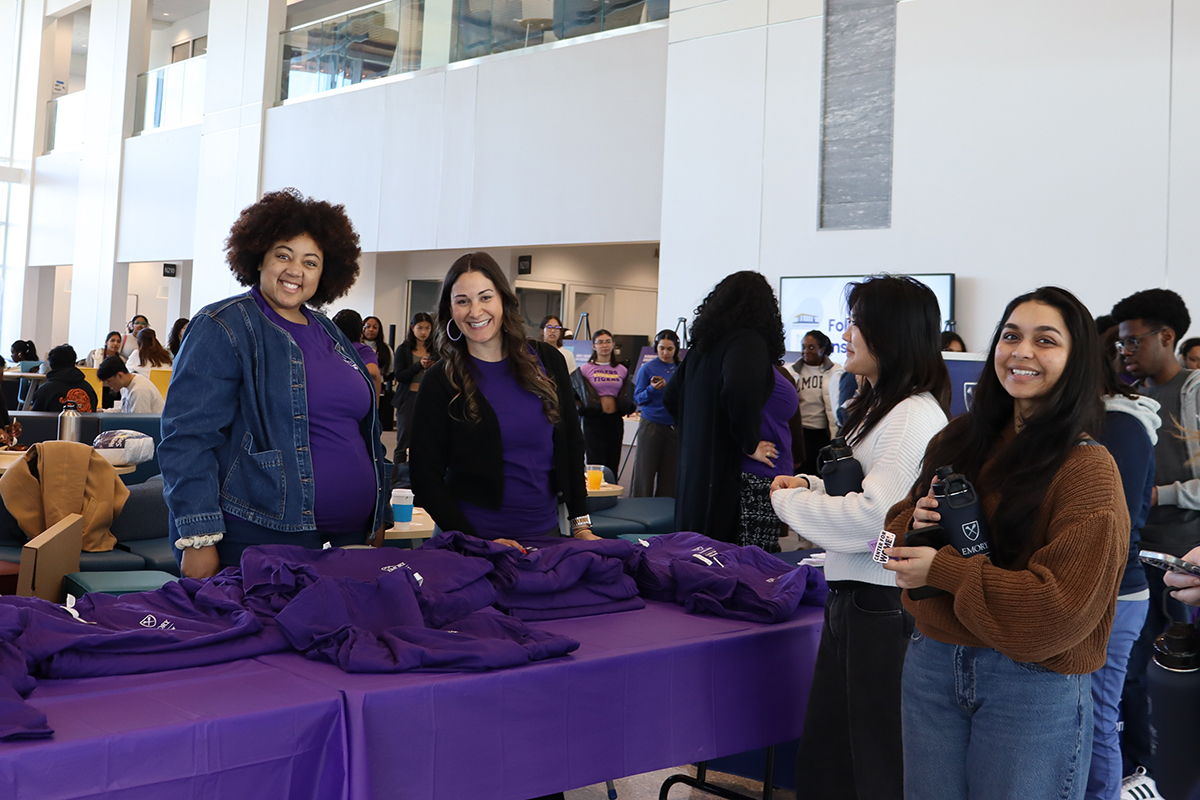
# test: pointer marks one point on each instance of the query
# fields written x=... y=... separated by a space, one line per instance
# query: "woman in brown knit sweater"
x=996 y=691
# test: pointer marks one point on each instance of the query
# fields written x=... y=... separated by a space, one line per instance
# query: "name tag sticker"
x=885 y=541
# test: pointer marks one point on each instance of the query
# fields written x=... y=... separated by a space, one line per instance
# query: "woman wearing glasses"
x=552 y=334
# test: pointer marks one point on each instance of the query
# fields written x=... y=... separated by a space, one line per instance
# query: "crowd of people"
x=1082 y=441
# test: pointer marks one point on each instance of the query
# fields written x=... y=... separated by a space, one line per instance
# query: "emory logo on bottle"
x=971 y=530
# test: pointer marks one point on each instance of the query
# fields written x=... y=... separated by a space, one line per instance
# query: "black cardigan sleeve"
x=576 y=481
x=431 y=444
x=410 y=370
x=744 y=391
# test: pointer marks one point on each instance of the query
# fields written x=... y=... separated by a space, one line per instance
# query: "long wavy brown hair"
x=517 y=348
x=150 y=351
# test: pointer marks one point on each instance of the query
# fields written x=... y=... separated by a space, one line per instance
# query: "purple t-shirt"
x=529 y=506
x=343 y=472
x=366 y=353
x=781 y=406
x=606 y=378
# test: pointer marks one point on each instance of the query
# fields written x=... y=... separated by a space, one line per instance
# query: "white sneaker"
x=1139 y=786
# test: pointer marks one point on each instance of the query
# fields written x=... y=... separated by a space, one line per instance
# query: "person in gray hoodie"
x=1130 y=432
x=1150 y=324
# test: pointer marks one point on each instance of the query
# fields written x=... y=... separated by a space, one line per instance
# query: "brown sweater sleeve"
x=1069 y=584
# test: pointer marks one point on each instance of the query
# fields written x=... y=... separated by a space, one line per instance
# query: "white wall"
x=1031 y=146
x=182 y=30
x=158 y=196
x=611 y=269
x=555 y=146
x=52 y=213
x=145 y=280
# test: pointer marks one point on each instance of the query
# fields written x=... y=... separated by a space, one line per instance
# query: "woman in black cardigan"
x=497 y=450
x=413 y=356
x=717 y=397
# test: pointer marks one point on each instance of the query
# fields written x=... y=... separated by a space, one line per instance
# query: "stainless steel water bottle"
x=68 y=423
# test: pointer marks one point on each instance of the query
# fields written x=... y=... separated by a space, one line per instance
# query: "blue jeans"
x=979 y=725
x=1104 y=778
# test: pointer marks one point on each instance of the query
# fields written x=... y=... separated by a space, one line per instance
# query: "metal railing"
x=397 y=36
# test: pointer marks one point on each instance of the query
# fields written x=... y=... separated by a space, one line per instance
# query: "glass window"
x=199 y=46
x=181 y=52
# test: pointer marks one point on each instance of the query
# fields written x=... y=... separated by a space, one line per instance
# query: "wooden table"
x=419 y=529
x=9 y=457
x=606 y=490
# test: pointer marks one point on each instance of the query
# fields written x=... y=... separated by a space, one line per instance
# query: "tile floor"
x=646 y=787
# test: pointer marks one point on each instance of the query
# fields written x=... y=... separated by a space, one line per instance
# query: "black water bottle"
x=962 y=515
x=839 y=469
x=963 y=521
x=1173 y=685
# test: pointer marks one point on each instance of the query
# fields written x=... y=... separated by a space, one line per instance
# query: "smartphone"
x=1169 y=562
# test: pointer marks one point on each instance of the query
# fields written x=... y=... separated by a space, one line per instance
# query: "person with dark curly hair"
x=818 y=381
x=851 y=741
x=175 y=339
x=1150 y=323
x=270 y=431
x=732 y=408
x=496 y=447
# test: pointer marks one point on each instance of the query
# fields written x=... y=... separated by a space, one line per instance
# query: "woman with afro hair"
x=270 y=432
x=733 y=401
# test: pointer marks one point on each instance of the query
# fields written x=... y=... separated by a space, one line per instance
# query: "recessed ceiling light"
x=165 y=14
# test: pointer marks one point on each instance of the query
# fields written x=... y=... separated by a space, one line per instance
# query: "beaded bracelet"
x=205 y=540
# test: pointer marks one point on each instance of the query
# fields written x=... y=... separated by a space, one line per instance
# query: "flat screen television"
x=819 y=302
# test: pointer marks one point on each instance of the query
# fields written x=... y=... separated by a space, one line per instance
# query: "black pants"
x=657 y=457
x=814 y=440
x=404 y=421
x=602 y=440
x=851 y=747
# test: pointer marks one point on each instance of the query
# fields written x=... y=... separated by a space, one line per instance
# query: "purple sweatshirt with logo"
x=556 y=577
x=710 y=577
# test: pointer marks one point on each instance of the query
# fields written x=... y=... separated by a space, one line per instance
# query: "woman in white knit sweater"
x=851 y=745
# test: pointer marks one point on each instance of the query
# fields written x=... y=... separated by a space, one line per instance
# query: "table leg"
x=700 y=782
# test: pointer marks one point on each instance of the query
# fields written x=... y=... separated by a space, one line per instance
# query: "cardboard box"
x=48 y=558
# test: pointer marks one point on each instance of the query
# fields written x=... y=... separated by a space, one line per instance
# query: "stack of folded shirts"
x=451 y=585
x=726 y=580
x=555 y=578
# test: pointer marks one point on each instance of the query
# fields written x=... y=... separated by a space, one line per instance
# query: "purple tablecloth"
x=648 y=689
x=237 y=730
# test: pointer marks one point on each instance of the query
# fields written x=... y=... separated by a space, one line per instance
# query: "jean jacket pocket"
x=255 y=480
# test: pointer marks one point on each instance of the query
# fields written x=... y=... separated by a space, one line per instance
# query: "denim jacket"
x=235 y=424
